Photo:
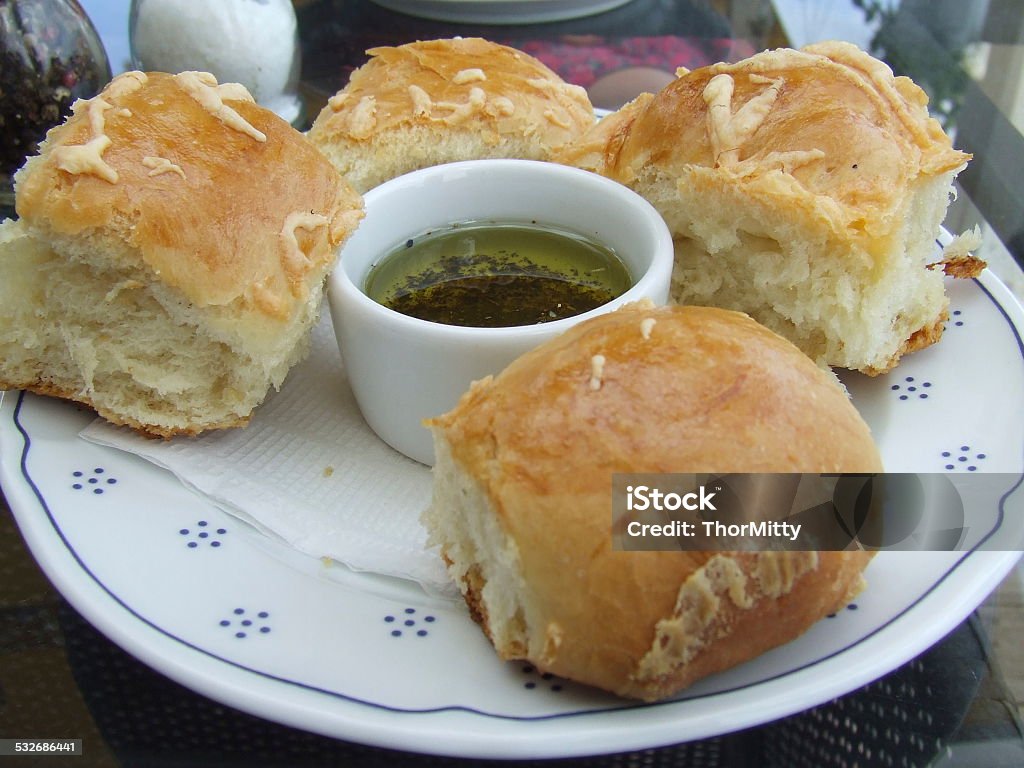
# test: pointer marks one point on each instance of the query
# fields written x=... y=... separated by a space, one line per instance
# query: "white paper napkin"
x=309 y=470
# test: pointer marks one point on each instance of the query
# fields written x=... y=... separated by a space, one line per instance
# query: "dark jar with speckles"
x=50 y=55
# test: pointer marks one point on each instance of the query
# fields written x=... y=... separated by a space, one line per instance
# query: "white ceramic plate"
x=501 y=11
x=249 y=622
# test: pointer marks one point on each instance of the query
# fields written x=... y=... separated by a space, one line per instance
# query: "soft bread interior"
x=482 y=559
x=74 y=325
x=842 y=305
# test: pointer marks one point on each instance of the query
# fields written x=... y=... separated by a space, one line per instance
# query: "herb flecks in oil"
x=497 y=275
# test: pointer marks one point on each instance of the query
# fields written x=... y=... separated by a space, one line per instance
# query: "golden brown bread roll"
x=522 y=496
x=805 y=188
x=170 y=254
x=437 y=101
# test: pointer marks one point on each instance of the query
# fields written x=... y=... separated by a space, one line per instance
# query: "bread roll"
x=438 y=101
x=169 y=258
x=805 y=188
x=522 y=496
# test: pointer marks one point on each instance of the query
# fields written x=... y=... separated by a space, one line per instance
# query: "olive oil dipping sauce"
x=497 y=274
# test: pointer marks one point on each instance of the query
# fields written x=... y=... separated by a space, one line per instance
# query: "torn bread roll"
x=805 y=188
x=521 y=506
x=438 y=101
x=169 y=257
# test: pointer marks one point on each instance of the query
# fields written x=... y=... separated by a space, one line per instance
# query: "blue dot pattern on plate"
x=95 y=480
x=911 y=387
x=203 y=533
x=408 y=623
x=962 y=458
x=850 y=607
x=957 y=318
x=243 y=623
x=535 y=680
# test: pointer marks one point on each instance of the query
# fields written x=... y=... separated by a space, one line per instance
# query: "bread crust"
x=436 y=101
x=832 y=118
x=184 y=182
x=146 y=429
x=749 y=400
x=696 y=390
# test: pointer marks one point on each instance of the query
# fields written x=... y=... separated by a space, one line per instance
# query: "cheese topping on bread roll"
x=170 y=254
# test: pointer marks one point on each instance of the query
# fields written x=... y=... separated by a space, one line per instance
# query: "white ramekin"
x=403 y=370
